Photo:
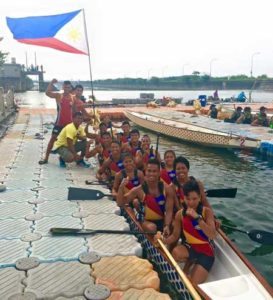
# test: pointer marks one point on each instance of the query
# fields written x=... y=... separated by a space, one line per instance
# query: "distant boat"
x=189 y=132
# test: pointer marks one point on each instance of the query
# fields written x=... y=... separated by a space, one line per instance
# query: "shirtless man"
x=64 y=103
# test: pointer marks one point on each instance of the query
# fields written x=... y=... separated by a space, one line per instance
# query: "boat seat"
x=243 y=287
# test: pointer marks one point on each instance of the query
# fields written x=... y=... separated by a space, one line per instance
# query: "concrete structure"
x=7 y=105
x=12 y=76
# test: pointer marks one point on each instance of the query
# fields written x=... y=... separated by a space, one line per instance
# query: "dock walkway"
x=36 y=265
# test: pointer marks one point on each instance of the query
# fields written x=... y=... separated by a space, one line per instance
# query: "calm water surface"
x=252 y=207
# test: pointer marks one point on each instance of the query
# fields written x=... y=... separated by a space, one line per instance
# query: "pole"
x=26 y=60
x=89 y=60
x=35 y=60
x=252 y=58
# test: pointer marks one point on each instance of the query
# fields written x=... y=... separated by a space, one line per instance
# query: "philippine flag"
x=64 y=32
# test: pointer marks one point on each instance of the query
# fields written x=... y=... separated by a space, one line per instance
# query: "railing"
x=7 y=104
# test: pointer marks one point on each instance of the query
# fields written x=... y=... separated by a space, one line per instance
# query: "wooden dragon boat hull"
x=192 y=133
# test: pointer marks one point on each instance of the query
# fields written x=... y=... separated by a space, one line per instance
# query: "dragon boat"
x=231 y=277
x=194 y=129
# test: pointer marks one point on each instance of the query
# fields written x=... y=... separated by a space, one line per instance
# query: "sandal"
x=43 y=162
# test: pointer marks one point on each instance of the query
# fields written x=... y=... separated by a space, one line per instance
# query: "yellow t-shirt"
x=71 y=132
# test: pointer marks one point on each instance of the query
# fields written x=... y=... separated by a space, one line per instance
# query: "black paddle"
x=260 y=236
x=157 y=144
x=75 y=231
x=90 y=194
x=222 y=193
x=85 y=194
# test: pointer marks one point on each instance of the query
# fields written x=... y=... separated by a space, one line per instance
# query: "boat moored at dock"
x=193 y=132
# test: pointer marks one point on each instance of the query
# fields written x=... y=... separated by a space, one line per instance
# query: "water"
x=36 y=99
x=252 y=207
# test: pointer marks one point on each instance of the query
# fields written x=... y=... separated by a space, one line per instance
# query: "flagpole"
x=89 y=59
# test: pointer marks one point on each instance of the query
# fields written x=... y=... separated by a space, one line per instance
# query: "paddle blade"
x=222 y=193
x=84 y=194
x=262 y=237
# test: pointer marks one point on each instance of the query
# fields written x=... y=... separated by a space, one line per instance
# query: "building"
x=12 y=76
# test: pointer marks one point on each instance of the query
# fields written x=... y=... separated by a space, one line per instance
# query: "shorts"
x=57 y=129
x=66 y=154
x=200 y=259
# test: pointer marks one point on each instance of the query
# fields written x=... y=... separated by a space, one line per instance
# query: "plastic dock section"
x=36 y=265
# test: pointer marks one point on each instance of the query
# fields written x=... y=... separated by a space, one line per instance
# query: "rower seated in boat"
x=195 y=224
x=155 y=199
x=181 y=168
x=103 y=150
x=167 y=172
x=134 y=144
x=113 y=163
x=134 y=176
x=145 y=153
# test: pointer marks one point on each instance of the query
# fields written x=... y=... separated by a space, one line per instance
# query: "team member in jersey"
x=155 y=199
x=181 y=168
x=103 y=150
x=134 y=144
x=79 y=104
x=135 y=177
x=114 y=163
x=125 y=135
x=71 y=141
x=96 y=136
x=195 y=223
x=65 y=102
x=145 y=153
x=167 y=173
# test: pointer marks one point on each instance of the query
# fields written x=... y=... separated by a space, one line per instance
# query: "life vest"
x=103 y=155
x=167 y=176
x=247 y=118
x=154 y=207
x=115 y=167
x=133 y=182
x=64 y=110
x=179 y=189
x=135 y=149
x=194 y=235
x=125 y=139
x=146 y=156
x=263 y=120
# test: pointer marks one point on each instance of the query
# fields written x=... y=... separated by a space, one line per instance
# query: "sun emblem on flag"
x=74 y=34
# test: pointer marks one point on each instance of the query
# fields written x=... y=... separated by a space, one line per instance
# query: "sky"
x=145 y=38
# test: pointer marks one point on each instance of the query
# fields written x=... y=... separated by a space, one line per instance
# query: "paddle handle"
x=234 y=228
x=182 y=275
x=64 y=231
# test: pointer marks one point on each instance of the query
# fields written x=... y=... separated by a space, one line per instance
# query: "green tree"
x=196 y=73
x=3 y=57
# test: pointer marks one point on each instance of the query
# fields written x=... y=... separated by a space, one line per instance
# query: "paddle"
x=180 y=272
x=222 y=193
x=91 y=194
x=157 y=144
x=75 y=231
x=260 y=236
x=97 y=182
x=85 y=194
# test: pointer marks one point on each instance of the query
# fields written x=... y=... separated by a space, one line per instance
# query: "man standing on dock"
x=65 y=102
